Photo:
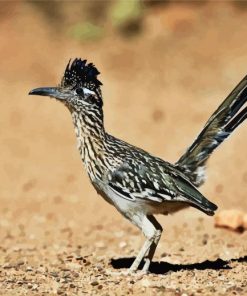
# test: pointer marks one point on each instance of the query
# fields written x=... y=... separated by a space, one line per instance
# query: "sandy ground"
x=57 y=236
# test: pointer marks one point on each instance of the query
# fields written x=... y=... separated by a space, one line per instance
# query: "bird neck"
x=90 y=133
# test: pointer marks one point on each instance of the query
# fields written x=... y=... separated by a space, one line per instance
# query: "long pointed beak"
x=47 y=91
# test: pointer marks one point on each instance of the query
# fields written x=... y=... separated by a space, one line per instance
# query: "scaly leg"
x=154 y=244
x=152 y=231
x=141 y=255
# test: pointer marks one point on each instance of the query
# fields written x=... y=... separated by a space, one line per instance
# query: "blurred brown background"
x=165 y=66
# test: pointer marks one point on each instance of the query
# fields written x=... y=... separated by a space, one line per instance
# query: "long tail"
x=219 y=126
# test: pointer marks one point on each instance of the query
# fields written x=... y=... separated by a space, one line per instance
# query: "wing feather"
x=156 y=183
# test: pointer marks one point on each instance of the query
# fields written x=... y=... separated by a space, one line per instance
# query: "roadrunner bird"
x=137 y=183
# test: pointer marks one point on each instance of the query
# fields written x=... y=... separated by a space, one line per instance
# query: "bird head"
x=79 y=89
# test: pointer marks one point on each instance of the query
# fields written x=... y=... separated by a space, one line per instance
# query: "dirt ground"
x=57 y=235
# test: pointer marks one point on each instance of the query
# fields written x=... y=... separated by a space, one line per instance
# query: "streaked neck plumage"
x=90 y=133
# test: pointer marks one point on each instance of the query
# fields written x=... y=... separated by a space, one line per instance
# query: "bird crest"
x=80 y=74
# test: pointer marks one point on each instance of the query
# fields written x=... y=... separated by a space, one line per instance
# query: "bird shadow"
x=164 y=267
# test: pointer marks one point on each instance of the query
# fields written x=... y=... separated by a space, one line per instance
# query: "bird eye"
x=80 y=91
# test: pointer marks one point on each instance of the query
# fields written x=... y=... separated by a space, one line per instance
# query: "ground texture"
x=57 y=236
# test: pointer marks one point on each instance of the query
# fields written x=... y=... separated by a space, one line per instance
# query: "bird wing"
x=156 y=181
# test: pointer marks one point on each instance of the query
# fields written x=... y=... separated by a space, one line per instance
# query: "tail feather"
x=237 y=120
x=219 y=126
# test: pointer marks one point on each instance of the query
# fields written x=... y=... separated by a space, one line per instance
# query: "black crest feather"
x=79 y=73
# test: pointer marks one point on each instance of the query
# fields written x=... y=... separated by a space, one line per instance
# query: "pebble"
x=205 y=239
x=19 y=283
x=65 y=268
x=99 y=267
x=122 y=245
x=20 y=262
x=29 y=285
x=60 y=291
x=70 y=257
x=54 y=274
x=35 y=287
x=75 y=274
x=146 y=283
x=229 y=218
x=86 y=263
x=8 y=265
x=73 y=266
x=63 y=281
x=94 y=283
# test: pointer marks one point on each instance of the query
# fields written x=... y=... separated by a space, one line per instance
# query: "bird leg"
x=141 y=254
x=152 y=231
x=154 y=244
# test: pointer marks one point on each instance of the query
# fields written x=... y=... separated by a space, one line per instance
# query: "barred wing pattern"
x=155 y=181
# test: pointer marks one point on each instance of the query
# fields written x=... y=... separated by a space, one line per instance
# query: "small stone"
x=63 y=281
x=20 y=262
x=94 y=283
x=73 y=266
x=19 y=283
x=99 y=267
x=75 y=274
x=205 y=239
x=60 y=291
x=35 y=287
x=29 y=268
x=72 y=285
x=122 y=245
x=29 y=285
x=8 y=265
x=86 y=263
x=229 y=218
x=66 y=274
x=41 y=269
x=54 y=274
x=145 y=283
x=70 y=256
x=65 y=268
